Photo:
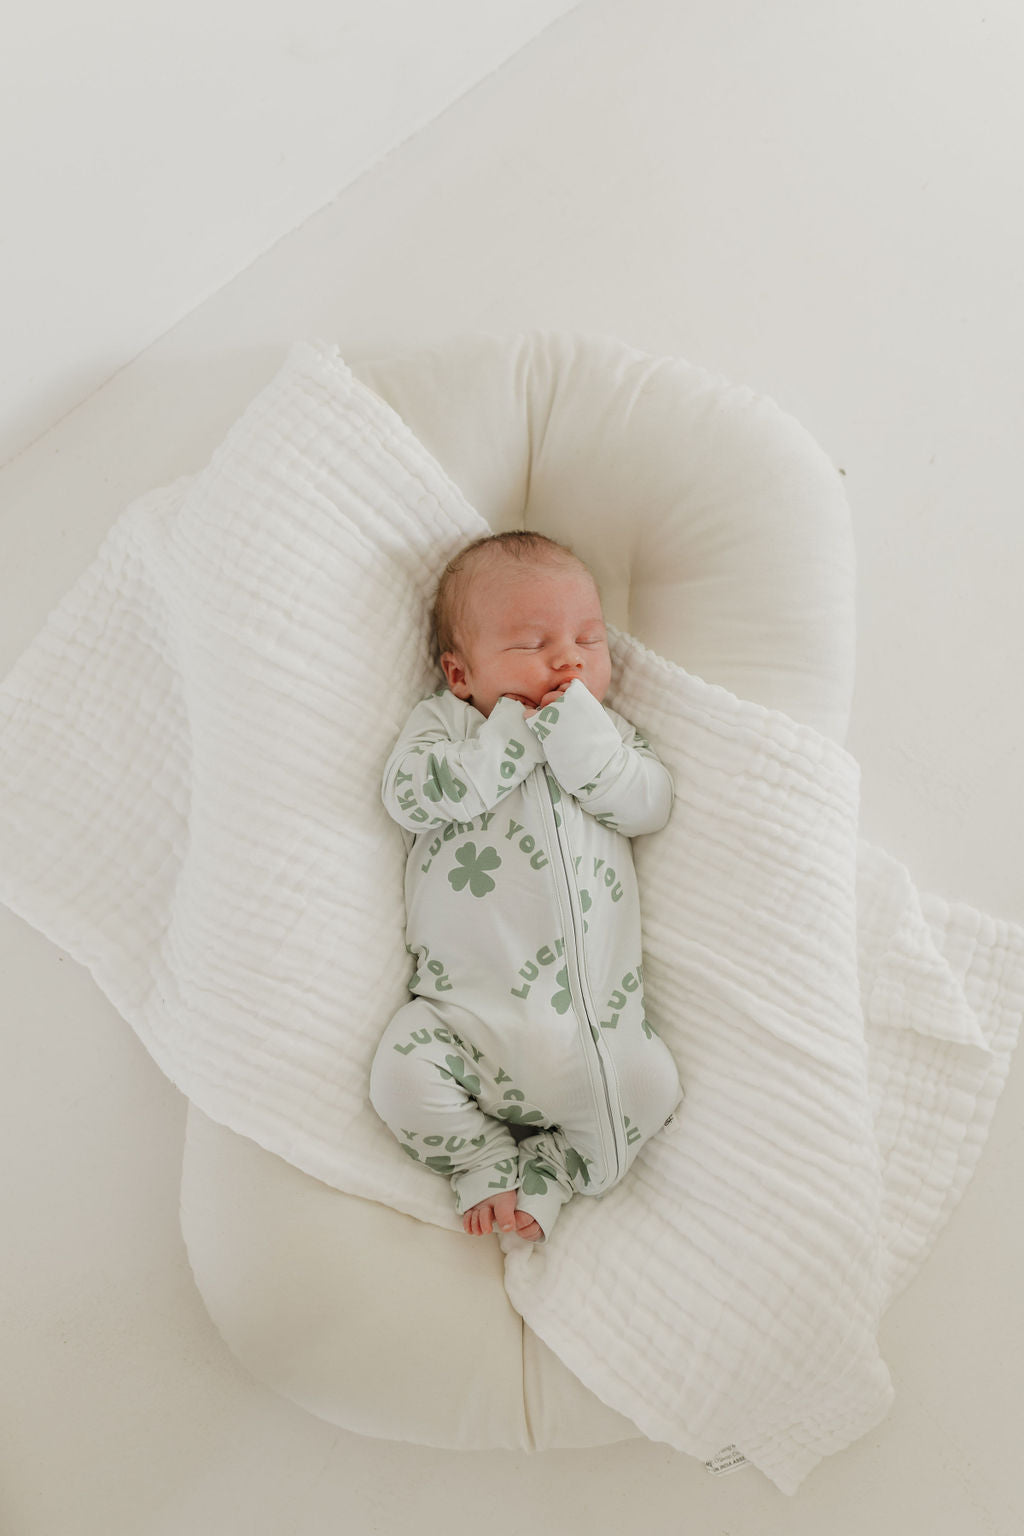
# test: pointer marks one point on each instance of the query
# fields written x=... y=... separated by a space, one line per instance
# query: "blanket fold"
x=190 y=756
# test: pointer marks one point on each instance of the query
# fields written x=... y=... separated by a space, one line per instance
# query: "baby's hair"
x=516 y=544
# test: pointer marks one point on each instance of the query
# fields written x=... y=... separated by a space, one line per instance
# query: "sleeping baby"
x=524 y=1068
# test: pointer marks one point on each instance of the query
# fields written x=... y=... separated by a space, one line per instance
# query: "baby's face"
x=527 y=630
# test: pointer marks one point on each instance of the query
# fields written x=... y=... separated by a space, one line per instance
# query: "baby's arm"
x=442 y=770
x=615 y=776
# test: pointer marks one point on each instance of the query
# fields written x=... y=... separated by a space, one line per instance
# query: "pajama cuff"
x=544 y=1208
x=478 y=1184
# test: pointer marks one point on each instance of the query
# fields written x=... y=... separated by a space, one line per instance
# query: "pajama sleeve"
x=450 y=764
x=604 y=763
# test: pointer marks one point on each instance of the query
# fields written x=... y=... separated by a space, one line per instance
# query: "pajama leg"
x=551 y=1171
x=426 y=1087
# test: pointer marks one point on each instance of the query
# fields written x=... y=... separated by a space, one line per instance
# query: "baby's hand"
x=549 y=698
x=557 y=693
x=531 y=706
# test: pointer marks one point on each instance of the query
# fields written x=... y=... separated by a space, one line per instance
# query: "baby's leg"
x=551 y=1171
x=425 y=1087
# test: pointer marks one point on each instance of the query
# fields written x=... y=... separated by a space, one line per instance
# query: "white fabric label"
x=727 y=1460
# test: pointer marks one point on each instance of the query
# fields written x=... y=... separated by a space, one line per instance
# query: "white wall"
x=150 y=152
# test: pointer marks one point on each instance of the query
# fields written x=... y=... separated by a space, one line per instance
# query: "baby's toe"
x=505 y=1210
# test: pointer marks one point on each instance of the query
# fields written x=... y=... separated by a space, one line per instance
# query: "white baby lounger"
x=191 y=754
x=720 y=538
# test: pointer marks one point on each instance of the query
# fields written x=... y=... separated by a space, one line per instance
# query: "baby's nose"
x=570 y=659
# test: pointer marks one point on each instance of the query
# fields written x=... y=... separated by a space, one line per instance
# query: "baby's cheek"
x=530 y=675
x=598 y=677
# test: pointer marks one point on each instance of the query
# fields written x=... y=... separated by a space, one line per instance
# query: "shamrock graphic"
x=555 y=790
x=474 y=869
x=457 y=1072
x=516 y=1115
x=535 y=1177
x=441 y=782
x=562 y=1001
x=575 y=1165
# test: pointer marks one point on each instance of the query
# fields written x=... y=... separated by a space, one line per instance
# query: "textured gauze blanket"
x=190 y=762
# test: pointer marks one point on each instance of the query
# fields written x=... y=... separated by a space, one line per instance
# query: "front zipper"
x=595 y=1051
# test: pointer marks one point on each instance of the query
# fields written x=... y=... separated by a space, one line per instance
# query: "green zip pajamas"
x=525 y=1059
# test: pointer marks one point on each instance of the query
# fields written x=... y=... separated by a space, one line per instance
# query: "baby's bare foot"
x=501 y=1213
x=527 y=1227
x=486 y=1214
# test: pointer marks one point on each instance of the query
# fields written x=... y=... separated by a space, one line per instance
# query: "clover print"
x=535 y=1177
x=441 y=782
x=556 y=794
x=467 y=1081
x=562 y=1001
x=473 y=871
x=575 y=1165
x=513 y=1113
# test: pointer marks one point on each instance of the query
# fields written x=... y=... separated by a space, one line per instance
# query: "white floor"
x=829 y=208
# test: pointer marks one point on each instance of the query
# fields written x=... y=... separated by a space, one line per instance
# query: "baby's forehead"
x=516 y=592
x=497 y=569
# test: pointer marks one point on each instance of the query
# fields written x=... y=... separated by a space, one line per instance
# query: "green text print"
x=473 y=869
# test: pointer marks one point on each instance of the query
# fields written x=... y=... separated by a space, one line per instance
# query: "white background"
x=825 y=203
x=150 y=151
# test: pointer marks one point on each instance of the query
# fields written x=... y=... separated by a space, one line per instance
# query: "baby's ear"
x=454 y=669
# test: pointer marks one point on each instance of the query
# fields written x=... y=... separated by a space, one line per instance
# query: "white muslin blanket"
x=190 y=760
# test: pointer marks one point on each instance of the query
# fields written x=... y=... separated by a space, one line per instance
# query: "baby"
x=524 y=1068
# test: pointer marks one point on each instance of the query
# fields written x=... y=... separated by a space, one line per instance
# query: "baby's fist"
x=556 y=694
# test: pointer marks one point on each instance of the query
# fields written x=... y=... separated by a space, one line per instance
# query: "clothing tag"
x=727 y=1460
